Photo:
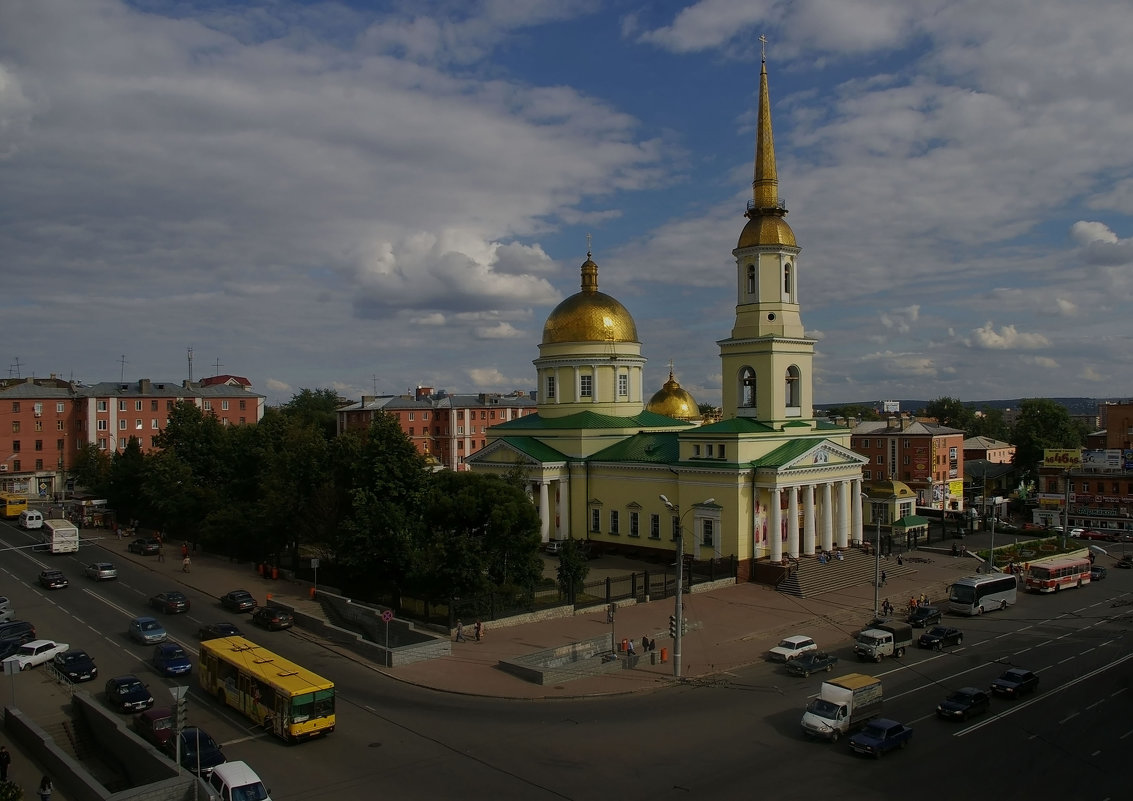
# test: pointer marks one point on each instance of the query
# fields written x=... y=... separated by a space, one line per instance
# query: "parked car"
x=199 y=752
x=939 y=636
x=1091 y=534
x=156 y=726
x=128 y=694
x=554 y=547
x=1124 y=562
x=924 y=616
x=272 y=618
x=144 y=546
x=53 y=579
x=6 y=611
x=1015 y=683
x=811 y=662
x=147 y=631
x=1097 y=573
x=170 y=602
x=19 y=631
x=964 y=703
x=879 y=736
x=213 y=631
x=101 y=571
x=8 y=647
x=170 y=659
x=238 y=601
x=37 y=652
x=792 y=648
x=76 y=665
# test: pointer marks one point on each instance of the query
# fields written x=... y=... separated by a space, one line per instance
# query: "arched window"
x=793 y=387
x=787 y=281
x=747 y=388
x=751 y=280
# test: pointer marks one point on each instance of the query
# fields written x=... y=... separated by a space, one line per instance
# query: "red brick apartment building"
x=929 y=458
x=44 y=422
x=445 y=428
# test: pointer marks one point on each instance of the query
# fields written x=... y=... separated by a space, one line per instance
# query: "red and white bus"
x=1055 y=572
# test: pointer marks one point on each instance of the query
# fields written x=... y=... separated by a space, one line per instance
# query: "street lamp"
x=877 y=549
x=679 y=613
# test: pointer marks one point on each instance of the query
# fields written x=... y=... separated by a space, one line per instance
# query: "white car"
x=37 y=652
x=792 y=647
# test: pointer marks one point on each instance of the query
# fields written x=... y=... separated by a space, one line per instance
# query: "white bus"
x=975 y=595
x=60 y=536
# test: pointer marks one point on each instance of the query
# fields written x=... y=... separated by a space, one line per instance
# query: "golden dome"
x=674 y=401
x=767 y=230
x=589 y=315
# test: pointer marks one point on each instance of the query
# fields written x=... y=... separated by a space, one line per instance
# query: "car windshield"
x=75 y=657
x=150 y=625
x=191 y=738
x=937 y=632
x=873 y=730
x=960 y=697
x=174 y=653
x=822 y=708
x=249 y=792
x=130 y=687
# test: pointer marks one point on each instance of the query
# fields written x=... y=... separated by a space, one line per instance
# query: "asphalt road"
x=734 y=738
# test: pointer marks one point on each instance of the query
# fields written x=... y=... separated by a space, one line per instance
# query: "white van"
x=235 y=781
x=30 y=518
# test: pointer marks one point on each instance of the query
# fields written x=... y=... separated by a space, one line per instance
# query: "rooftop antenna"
x=122 y=372
x=218 y=366
x=190 y=364
x=14 y=367
x=375 y=377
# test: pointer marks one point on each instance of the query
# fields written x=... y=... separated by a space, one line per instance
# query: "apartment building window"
x=153 y=442
x=483 y=415
x=16 y=445
x=169 y=406
x=492 y=414
x=242 y=421
x=654 y=527
x=614 y=522
x=720 y=450
x=16 y=465
x=208 y=406
x=121 y=405
x=39 y=444
x=595 y=520
x=60 y=425
x=100 y=405
x=103 y=425
x=586 y=386
x=15 y=426
x=867 y=475
x=696 y=451
x=15 y=407
x=708 y=450
x=38 y=425
x=905 y=460
x=153 y=423
x=59 y=408
x=242 y=405
x=137 y=406
x=102 y=444
x=58 y=444
x=122 y=424
x=411 y=431
x=459 y=430
x=411 y=415
x=38 y=464
x=424 y=415
x=623 y=385
x=880 y=459
x=138 y=424
x=153 y=405
x=907 y=444
x=550 y=387
x=37 y=408
x=633 y=524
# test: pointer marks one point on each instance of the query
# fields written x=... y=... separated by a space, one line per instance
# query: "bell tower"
x=767 y=361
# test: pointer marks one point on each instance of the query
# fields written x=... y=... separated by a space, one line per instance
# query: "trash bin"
x=653 y=657
x=664 y=655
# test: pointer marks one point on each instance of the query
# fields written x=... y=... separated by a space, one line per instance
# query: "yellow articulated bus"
x=11 y=504
x=291 y=701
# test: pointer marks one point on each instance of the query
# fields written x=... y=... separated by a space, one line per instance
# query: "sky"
x=372 y=196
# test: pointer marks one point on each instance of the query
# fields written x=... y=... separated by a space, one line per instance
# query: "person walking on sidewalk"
x=160 y=551
x=186 y=563
x=5 y=761
x=45 y=788
x=479 y=630
x=460 y=631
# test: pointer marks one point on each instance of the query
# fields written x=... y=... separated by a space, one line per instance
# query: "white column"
x=775 y=527
x=564 y=508
x=544 y=513
x=808 y=520
x=793 y=522
x=843 y=514
x=856 y=500
x=827 y=518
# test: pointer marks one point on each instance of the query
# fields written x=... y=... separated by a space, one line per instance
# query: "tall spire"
x=765 y=187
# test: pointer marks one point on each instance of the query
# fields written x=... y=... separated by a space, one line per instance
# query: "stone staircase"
x=810 y=578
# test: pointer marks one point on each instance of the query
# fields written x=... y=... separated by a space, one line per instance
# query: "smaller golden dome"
x=589 y=315
x=770 y=229
x=674 y=401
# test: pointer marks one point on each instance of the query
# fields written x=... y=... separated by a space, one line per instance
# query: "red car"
x=1090 y=534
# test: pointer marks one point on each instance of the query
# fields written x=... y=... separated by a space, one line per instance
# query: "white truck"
x=60 y=536
x=842 y=705
x=883 y=639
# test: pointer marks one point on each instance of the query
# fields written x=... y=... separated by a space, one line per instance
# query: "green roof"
x=590 y=420
x=737 y=425
x=660 y=448
x=786 y=452
x=537 y=450
x=911 y=521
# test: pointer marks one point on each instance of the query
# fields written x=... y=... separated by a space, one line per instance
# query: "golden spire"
x=765 y=187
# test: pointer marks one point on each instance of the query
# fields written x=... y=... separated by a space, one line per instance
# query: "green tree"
x=991 y=424
x=950 y=412
x=317 y=407
x=854 y=412
x=1041 y=424
x=91 y=468
x=126 y=477
x=572 y=569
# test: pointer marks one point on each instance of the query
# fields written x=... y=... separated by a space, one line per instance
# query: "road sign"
x=387 y=616
x=315 y=563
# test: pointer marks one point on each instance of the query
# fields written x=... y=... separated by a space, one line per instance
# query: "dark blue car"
x=170 y=659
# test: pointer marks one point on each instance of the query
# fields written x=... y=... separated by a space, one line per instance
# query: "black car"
x=76 y=665
x=939 y=636
x=199 y=752
x=272 y=618
x=128 y=694
x=53 y=579
x=964 y=703
x=1097 y=573
x=145 y=547
x=214 y=631
x=170 y=602
x=238 y=601
x=19 y=631
x=812 y=662
x=924 y=616
x=1015 y=683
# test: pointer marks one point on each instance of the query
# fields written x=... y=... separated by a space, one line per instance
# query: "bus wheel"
x=1003 y=604
x=979 y=610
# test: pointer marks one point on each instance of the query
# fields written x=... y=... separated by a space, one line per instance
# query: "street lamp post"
x=678 y=611
x=877 y=551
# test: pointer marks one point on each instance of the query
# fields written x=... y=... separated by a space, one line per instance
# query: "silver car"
x=101 y=571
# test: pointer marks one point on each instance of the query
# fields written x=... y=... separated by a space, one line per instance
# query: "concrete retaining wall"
x=565 y=663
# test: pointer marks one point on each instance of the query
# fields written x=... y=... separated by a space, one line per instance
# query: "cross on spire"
x=588 y=246
x=762 y=47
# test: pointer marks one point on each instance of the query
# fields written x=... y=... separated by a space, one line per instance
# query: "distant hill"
x=1075 y=406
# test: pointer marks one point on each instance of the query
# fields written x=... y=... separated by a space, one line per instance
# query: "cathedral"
x=767 y=482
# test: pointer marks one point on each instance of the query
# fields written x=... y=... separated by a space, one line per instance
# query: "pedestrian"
x=160 y=551
x=900 y=561
x=459 y=631
x=5 y=761
x=184 y=551
x=882 y=578
x=45 y=788
x=479 y=630
x=629 y=648
x=912 y=603
x=924 y=600
x=838 y=555
x=185 y=564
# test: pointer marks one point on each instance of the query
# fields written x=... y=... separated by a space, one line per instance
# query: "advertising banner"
x=1103 y=460
x=1062 y=457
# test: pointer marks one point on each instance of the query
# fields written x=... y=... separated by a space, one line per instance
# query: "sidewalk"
x=728 y=628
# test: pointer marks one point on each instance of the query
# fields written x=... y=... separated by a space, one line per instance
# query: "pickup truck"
x=883 y=639
x=879 y=736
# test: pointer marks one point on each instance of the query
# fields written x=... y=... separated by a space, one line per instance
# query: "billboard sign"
x=1062 y=457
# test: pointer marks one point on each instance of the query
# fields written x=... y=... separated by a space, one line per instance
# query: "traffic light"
x=182 y=712
x=673 y=626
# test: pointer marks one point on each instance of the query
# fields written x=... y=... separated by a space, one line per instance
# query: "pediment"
x=825 y=454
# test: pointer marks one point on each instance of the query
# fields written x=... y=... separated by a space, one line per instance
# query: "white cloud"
x=1006 y=338
x=901 y=320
